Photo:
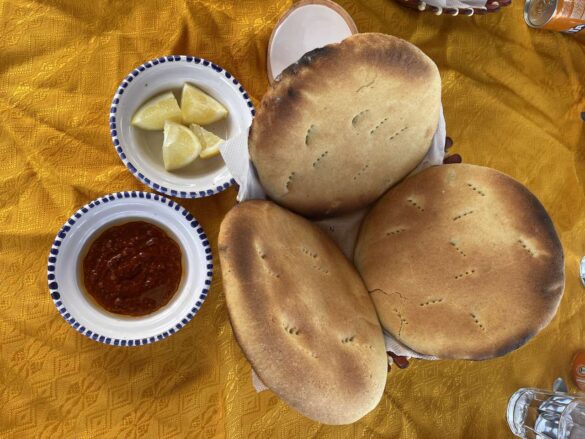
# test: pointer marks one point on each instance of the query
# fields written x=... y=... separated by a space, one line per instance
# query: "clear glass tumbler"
x=536 y=413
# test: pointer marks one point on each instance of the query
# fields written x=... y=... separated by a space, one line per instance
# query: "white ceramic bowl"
x=88 y=318
x=141 y=150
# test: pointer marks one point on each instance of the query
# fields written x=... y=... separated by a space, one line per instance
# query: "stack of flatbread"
x=458 y=261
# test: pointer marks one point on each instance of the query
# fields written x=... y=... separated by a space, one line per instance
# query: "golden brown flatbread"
x=461 y=261
x=345 y=123
x=301 y=313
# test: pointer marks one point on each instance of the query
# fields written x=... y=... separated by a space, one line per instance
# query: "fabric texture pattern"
x=512 y=98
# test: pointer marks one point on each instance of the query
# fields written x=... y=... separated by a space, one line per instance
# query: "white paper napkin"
x=342 y=229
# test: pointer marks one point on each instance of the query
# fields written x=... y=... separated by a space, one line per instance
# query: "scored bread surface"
x=345 y=123
x=461 y=261
x=301 y=313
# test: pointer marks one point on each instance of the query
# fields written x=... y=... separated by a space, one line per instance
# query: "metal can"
x=578 y=370
x=561 y=15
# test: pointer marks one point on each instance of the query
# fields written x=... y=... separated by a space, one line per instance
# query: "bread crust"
x=301 y=313
x=462 y=262
x=345 y=123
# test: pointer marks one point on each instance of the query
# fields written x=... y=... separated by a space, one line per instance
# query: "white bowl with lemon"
x=168 y=118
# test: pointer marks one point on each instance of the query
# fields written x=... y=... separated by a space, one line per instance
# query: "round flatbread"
x=301 y=313
x=461 y=261
x=345 y=123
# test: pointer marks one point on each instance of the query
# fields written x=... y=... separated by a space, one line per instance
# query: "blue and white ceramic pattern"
x=65 y=258
x=141 y=151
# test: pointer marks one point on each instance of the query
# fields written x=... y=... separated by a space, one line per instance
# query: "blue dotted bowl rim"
x=70 y=224
x=151 y=64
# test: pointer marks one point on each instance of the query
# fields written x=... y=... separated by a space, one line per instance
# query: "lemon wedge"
x=180 y=146
x=209 y=141
x=153 y=114
x=200 y=108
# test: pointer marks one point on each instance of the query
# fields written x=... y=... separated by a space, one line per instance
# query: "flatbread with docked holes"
x=461 y=261
x=345 y=123
x=301 y=313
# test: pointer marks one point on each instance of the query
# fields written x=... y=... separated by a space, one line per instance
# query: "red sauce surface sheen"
x=132 y=269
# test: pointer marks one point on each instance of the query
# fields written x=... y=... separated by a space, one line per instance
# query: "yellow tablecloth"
x=512 y=98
